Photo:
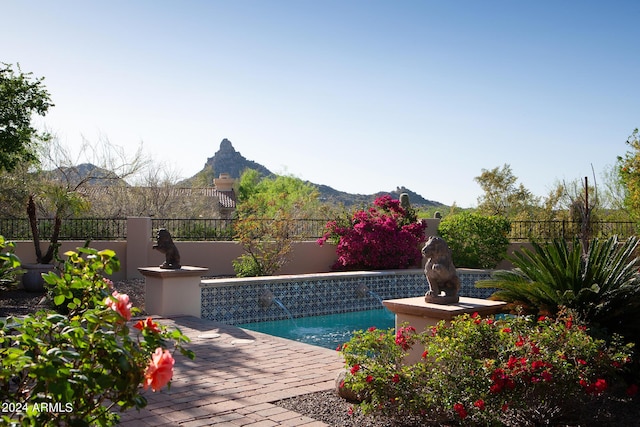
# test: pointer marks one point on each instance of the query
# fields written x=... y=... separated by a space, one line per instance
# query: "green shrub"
x=9 y=264
x=602 y=286
x=476 y=241
x=78 y=368
x=484 y=371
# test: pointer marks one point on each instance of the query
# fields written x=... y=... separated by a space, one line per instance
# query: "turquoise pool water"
x=328 y=331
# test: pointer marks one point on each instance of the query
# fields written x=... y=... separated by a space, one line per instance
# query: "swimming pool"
x=328 y=331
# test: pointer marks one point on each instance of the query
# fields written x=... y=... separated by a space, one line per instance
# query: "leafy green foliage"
x=629 y=174
x=484 y=371
x=501 y=195
x=264 y=223
x=83 y=359
x=602 y=286
x=21 y=96
x=9 y=264
x=476 y=241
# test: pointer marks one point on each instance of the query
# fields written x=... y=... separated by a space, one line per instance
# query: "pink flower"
x=148 y=324
x=479 y=404
x=159 y=371
x=402 y=337
x=369 y=378
x=371 y=329
x=121 y=304
x=355 y=368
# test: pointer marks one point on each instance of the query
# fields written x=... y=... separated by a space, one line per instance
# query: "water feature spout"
x=267 y=299
x=362 y=291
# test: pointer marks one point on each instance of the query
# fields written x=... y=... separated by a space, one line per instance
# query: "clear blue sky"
x=359 y=95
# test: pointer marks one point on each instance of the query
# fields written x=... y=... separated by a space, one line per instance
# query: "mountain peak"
x=226 y=147
x=228 y=160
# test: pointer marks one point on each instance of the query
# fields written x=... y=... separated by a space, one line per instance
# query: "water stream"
x=376 y=296
x=284 y=308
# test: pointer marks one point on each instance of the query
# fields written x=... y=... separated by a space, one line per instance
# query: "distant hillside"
x=86 y=172
x=228 y=160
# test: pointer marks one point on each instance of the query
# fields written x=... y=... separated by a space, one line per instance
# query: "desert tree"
x=502 y=196
x=266 y=215
x=21 y=96
x=628 y=167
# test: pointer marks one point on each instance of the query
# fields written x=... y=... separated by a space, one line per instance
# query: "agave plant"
x=600 y=284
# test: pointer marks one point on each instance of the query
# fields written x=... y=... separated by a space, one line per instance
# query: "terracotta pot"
x=32 y=280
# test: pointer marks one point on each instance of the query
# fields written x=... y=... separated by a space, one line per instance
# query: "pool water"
x=329 y=331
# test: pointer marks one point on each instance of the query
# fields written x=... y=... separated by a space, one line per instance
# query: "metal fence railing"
x=199 y=229
x=208 y=229
x=559 y=229
x=71 y=229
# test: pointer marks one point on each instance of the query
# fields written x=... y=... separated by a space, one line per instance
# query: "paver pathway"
x=234 y=377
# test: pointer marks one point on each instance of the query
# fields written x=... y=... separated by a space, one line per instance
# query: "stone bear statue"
x=441 y=273
x=164 y=244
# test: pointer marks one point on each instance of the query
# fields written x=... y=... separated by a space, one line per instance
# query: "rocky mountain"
x=228 y=160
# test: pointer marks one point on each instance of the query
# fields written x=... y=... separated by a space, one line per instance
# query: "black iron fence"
x=71 y=229
x=207 y=229
x=558 y=229
x=199 y=229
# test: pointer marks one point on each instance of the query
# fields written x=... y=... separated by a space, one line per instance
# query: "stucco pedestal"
x=422 y=315
x=172 y=292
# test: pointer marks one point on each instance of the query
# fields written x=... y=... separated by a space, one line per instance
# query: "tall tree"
x=266 y=212
x=629 y=173
x=502 y=196
x=21 y=96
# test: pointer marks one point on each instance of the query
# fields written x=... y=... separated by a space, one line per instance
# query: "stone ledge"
x=185 y=271
x=417 y=306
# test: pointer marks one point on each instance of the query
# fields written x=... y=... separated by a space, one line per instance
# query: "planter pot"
x=32 y=280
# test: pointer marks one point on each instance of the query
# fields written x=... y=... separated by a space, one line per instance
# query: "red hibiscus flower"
x=148 y=324
x=479 y=404
x=459 y=408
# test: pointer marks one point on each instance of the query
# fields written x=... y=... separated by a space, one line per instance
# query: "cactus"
x=404 y=201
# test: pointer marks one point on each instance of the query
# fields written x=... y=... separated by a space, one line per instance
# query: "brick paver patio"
x=235 y=377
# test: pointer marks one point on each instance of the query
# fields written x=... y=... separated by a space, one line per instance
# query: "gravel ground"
x=327 y=406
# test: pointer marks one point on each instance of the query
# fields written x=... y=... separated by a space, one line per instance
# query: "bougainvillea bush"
x=79 y=363
x=513 y=371
x=384 y=236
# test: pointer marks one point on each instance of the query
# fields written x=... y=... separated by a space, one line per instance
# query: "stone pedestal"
x=172 y=292
x=422 y=315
